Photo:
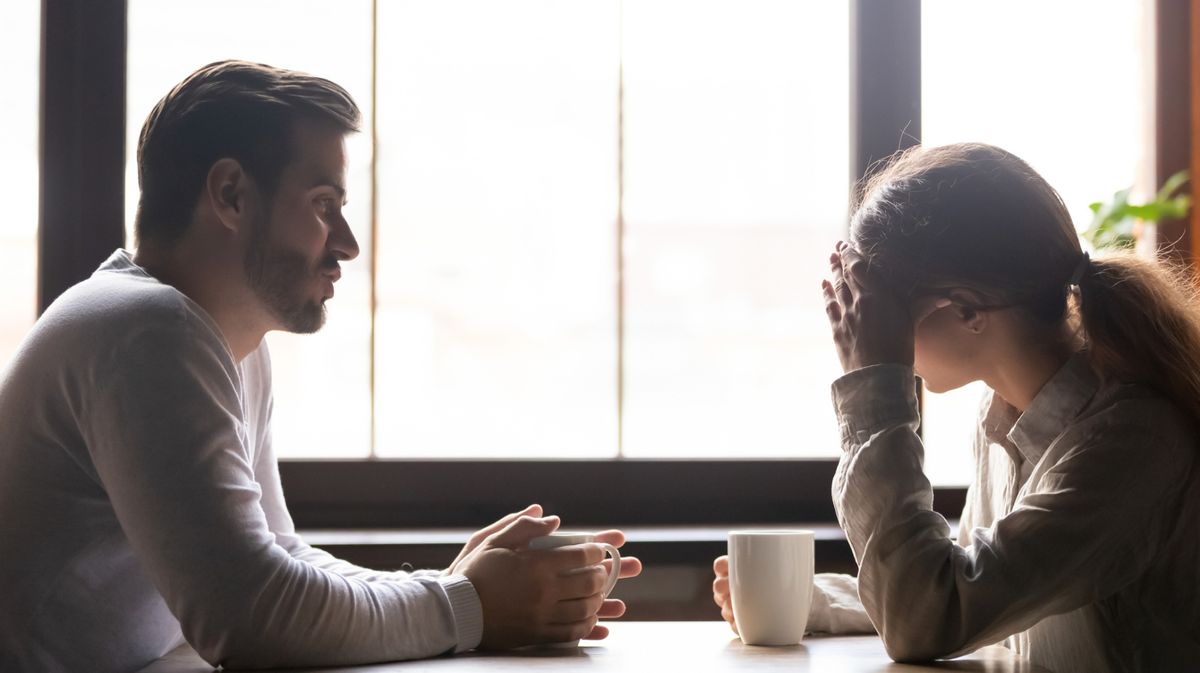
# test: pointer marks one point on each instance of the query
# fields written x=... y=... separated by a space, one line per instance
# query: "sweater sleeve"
x=257 y=371
x=168 y=436
x=1079 y=539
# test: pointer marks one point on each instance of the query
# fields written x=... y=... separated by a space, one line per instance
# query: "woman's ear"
x=965 y=303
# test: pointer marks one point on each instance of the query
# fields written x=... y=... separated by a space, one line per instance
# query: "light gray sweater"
x=140 y=504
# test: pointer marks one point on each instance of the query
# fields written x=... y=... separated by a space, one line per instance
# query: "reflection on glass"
x=321 y=381
x=496 y=281
x=1059 y=84
x=736 y=185
x=19 y=173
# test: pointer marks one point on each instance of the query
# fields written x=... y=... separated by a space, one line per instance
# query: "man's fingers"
x=518 y=533
x=531 y=510
x=571 y=557
x=614 y=537
x=581 y=583
x=562 y=633
x=611 y=609
x=576 y=609
x=721 y=587
x=631 y=566
x=599 y=632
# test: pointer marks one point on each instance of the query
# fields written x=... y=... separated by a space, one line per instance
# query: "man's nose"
x=342 y=242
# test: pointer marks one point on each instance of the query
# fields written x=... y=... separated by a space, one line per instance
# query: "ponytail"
x=1141 y=323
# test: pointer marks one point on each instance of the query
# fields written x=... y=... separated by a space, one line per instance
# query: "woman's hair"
x=975 y=216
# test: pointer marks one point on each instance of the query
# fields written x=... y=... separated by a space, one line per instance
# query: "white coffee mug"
x=771 y=584
x=562 y=539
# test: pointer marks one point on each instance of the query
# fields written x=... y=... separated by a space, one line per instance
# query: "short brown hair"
x=228 y=109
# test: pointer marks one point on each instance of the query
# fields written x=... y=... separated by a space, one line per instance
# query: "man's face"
x=295 y=248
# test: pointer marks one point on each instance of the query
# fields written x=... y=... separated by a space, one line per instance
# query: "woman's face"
x=946 y=347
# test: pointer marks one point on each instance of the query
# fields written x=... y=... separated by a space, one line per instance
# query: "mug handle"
x=615 y=573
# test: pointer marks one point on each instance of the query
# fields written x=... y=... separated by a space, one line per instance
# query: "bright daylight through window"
x=18 y=172
x=602 y=226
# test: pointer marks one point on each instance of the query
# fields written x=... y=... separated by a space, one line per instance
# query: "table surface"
x=665 y=646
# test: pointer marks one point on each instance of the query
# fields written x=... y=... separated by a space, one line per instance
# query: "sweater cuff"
x=466 y=609
x=875 y=398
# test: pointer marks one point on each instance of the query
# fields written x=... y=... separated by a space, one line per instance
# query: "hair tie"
x=1080 y=269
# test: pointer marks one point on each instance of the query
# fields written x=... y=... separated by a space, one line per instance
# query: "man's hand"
x=539 y=596
x=482 y=534
x=721 y=591
x=871 y=324
x=630 y=567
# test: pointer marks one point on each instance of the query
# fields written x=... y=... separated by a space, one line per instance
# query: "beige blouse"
x=1080 y=542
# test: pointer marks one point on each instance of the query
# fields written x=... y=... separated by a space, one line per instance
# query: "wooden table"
x=669 y=646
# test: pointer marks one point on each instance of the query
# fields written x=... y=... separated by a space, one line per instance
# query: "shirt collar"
x=1059 y=401
x=121 y=261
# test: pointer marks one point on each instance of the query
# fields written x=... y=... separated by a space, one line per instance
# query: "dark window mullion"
x=885 y=87
x=82 y=141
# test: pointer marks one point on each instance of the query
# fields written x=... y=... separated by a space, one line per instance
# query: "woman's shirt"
x=1080 y=542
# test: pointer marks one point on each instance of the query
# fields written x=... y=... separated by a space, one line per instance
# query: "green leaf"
x=1172 y=185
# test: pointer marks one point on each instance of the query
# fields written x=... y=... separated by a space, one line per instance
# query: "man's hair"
x=229 y=109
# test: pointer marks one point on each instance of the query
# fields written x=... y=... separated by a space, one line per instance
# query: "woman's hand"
x=721 y=590
x=871 y=325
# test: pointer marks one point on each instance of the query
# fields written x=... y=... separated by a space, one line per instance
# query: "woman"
x=1078 y=546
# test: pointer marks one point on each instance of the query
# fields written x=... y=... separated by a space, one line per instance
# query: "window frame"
x=82 y=218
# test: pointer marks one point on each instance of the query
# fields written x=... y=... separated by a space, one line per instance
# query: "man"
x=140 y=501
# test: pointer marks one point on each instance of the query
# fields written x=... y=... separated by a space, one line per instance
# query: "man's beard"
x=278 y=278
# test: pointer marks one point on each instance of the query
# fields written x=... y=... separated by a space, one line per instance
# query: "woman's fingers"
x=721 y=565
x=727 y=615
x=721 y=588
x=832 y=308
x=854 y=268
x=841 y=289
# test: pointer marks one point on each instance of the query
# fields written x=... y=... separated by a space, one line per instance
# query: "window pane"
x=19 y=173
x=496 y=281
x=1060 y=84
x=737 y=173
x=321 y=382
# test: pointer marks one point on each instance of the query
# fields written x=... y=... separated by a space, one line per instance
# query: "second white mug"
x=771 y=584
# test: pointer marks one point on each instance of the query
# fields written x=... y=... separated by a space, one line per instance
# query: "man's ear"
x=227 y=190
x=970 y=318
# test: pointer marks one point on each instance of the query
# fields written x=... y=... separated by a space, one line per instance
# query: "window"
x=19 y=174
x=594 y=241
x=599 y=227
x=497 y=214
